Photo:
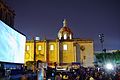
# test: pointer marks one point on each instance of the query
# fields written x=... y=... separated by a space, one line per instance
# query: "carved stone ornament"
x=82 y=47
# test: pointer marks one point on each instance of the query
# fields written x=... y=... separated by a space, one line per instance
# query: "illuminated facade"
x=6 y=14
x=63 y=50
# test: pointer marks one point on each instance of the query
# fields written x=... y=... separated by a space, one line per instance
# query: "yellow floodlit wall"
x=61 y=51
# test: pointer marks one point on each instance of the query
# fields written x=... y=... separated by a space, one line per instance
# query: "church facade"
x=63 y=50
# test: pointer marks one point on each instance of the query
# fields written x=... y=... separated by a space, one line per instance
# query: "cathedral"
x=63 y=50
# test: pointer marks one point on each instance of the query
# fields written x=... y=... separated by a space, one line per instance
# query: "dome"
x=65 y=31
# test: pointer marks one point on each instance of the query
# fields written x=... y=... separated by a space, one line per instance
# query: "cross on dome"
x=65 y=23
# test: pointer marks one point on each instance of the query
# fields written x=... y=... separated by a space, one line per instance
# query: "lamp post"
x=101 y=37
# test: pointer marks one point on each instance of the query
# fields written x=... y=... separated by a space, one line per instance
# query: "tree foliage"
x=111 y=57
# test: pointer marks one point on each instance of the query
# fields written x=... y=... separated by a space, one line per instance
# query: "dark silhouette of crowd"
x=89 y=73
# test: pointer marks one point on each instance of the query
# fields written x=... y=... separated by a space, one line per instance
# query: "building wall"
x=86 y=53
x=29 y=51
x=53 y=54
x=6 y=14
x=82 y=52
x=41 y=51
x=68 y=55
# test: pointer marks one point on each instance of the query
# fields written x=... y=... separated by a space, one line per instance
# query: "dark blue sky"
x=86 y=19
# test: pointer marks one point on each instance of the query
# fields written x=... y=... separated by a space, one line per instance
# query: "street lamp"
x=101 y=37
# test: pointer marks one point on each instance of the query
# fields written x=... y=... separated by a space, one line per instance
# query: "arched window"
x=51 y=47
x=65 y=36
x=70 y=36
x=39 y=47
x=60 y=36
x=65 y=47
x=27 y=48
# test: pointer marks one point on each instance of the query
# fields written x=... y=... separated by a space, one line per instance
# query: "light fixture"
x=109 y=66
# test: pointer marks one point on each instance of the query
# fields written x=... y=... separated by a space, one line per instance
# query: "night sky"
x=86 y=19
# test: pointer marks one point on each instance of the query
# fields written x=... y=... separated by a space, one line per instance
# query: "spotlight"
x=109 y=66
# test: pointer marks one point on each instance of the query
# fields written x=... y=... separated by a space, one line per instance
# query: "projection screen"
x=12 y=44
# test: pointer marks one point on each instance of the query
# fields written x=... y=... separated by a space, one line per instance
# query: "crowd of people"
x=88 y=74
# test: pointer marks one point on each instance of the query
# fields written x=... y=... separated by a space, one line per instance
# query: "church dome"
x=65 y=32
x=65 y=29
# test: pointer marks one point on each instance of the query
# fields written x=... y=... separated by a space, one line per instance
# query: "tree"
x=113 y=57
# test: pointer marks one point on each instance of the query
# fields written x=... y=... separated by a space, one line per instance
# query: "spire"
x=64 y=23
